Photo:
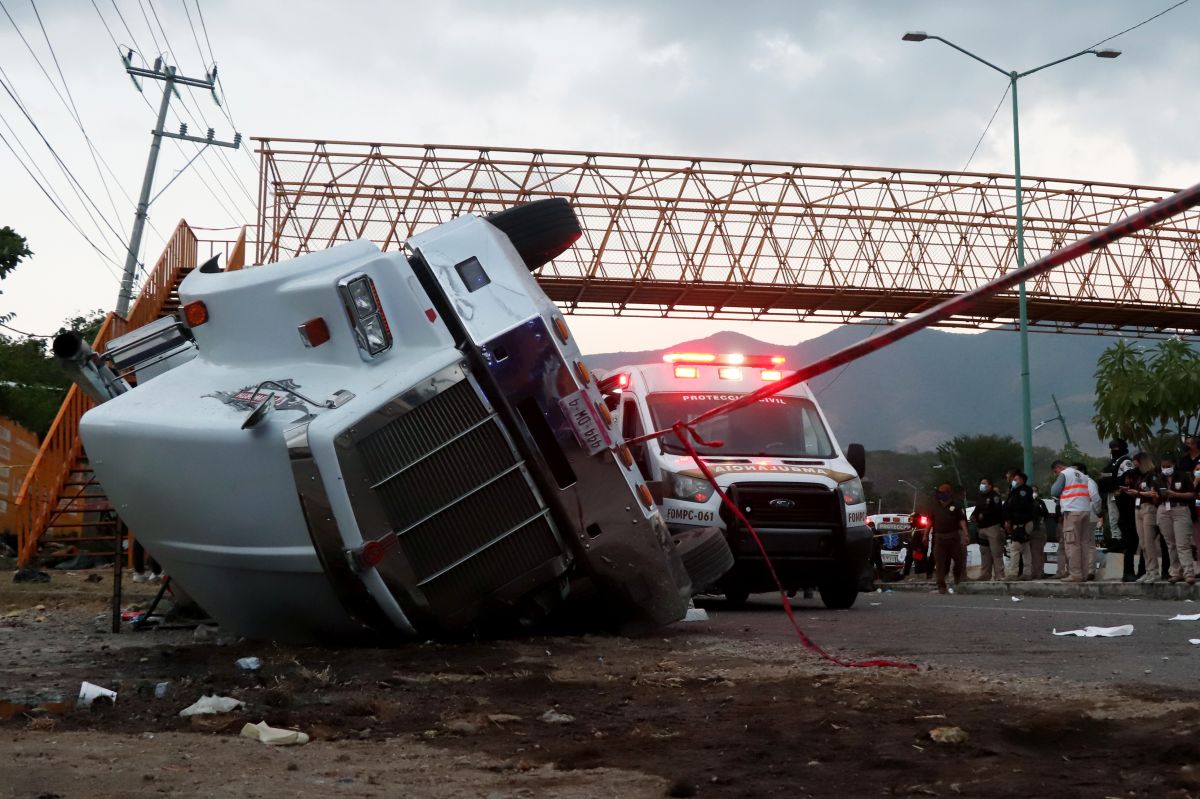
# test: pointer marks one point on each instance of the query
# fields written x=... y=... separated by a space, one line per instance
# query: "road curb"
x=1100 y=589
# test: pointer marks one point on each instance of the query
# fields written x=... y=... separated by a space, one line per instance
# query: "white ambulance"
x=779 y=462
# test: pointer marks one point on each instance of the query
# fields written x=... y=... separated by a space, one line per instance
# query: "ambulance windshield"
x=776 y=427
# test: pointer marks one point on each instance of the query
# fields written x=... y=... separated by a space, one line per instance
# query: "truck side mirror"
x=857 y=455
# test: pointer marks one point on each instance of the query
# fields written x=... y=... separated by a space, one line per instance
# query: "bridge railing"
x=38 y=497
x=699 y=237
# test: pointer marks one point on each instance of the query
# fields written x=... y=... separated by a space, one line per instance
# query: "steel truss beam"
x=668 y=236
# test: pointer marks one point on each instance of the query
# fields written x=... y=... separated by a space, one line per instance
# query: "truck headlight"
x=852 y=492
x=690 y=489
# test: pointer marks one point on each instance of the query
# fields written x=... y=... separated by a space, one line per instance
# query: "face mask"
x=940 y=497
x=983 y=488
x=1013 y=484
x=1035 y=495
x=1197 y=473
x=1168 y=470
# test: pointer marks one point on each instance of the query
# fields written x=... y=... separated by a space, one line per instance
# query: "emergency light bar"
x=732 y=359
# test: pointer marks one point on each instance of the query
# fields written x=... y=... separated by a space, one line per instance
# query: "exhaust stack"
x=94 y=377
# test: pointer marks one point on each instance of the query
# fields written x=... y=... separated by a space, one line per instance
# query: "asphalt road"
x=994 y=635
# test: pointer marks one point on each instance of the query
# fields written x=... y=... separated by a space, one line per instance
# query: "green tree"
x=13 y=249
x=1148 y=397
x=973 y=457
x=32 y=384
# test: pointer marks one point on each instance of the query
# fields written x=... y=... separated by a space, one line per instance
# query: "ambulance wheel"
x=705 y=554
x=839 y=595
x=540 y=231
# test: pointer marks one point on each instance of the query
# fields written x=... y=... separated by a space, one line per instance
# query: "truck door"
x=631 y=427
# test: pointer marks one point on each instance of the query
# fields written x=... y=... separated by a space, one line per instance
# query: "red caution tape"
x=683 y=430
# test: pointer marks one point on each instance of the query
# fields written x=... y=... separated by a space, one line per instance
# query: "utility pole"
x=170 y=79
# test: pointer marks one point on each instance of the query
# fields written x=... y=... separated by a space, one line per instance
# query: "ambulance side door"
x=631 y=427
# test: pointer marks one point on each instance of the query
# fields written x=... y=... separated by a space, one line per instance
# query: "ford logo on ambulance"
x=782 y=503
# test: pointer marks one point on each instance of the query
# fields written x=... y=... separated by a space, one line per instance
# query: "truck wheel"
x=541 y=230
x=737 y=596
x=705 y=554
x=839 y=595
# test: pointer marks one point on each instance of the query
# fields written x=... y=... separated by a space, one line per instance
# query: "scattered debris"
x=930 y=717
x=1016 y=599
x=696 y=614
x=1194 y=641
x=273 y=736
x=249 y=664
x=554 y=717
x=211 y=704
x=1099 y=632
x=1185 y=617
x=503 y=718
x=461 y=726
x=203 y=633
x=89 y=693
x=948 y=735
x=30 y=576
x=161 y=689
x=94 y=578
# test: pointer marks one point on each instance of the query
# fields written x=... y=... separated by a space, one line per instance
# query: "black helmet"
x=1119 y=446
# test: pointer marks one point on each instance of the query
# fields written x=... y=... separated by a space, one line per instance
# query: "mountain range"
x=933 y=385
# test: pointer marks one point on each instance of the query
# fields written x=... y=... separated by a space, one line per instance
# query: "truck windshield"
x=777 y=427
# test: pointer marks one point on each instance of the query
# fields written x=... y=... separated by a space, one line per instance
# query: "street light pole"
x=915 y=492
x=1022 y=307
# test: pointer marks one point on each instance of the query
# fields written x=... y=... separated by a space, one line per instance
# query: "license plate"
x=589 y=431
x=893 y=557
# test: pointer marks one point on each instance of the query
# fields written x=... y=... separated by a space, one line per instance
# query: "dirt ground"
x=684 y=713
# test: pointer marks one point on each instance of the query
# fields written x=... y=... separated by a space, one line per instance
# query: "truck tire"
x=839 y=595
x=705 y=554
x=540 y=231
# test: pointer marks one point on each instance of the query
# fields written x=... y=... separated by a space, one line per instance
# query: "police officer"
x=989 y=517
x=1018 y=521
x=1112 y=477
x=1176 y=495
x=949 y=537
x=1126 y=518
x=1145 y=500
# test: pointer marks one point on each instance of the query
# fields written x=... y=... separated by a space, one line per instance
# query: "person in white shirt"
x=1079 y=498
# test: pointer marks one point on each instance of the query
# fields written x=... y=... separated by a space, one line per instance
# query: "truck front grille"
x=452 y=488
x=783 y=506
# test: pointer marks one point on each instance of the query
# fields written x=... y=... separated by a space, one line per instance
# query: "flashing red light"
x=922 y=521
x=690 y=357
x=730 y=359
x=623 y=380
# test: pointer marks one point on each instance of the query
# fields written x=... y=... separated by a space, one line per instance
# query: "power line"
x=59 y=208
x=1140 y=24
x=75 y=186
x=224 y=98
x=986 y=129
x=179 y=147
x=75 y=113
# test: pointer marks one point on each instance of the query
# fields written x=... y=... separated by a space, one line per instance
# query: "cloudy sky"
x=779 y=79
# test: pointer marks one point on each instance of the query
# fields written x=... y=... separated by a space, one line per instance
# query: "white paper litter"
x=1016 y=599
x=273 y=736
x=696 y=614
x=89 y=692
x=1099 y=632
x=1184 y=617
x=211 y=705
x=1194 y=641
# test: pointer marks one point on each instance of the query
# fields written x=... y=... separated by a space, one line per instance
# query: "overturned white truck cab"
x=392 y=443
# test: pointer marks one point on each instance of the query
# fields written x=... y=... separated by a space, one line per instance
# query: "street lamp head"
x=1107 y=53
x=1041 y=424
x=920 y=36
